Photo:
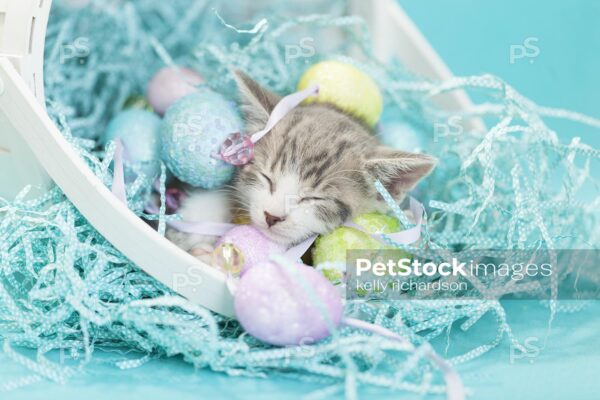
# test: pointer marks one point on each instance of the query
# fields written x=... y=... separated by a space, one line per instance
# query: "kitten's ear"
x=399 y=171
x=257 y=102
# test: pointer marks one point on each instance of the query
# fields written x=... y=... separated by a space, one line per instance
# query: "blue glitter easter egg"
x=193 y=129
x=139 y=131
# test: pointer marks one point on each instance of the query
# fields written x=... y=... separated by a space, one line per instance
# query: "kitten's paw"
x=203 y=252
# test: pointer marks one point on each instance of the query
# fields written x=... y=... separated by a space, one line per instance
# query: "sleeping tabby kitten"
x=310 y=174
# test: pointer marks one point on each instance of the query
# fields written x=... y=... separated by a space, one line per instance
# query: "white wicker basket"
x=32 y=150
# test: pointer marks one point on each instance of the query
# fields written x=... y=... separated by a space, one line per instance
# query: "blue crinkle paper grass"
x=506 y=181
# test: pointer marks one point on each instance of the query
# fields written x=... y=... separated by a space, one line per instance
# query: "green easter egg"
x=378 y=223
x=333 y=246
x=333 y=275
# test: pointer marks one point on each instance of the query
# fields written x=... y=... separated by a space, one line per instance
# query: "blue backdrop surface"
x=556 y=63
x=555 y=47
x=562 y=364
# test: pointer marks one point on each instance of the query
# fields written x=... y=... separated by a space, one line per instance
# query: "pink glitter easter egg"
x=273 y=306
x=169 y=85
x=255 y=246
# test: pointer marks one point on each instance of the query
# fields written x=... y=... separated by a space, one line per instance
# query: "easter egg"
x=332 y=247
x=254 y=246
x=139 y=131
x=193 y=129
x=346 y=87
x=169 y=85
x=375 y=222
x=137 y=101
x=273 y=306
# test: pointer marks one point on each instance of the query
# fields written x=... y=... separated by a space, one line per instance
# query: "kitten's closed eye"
x=312 y=198
x=269 y=181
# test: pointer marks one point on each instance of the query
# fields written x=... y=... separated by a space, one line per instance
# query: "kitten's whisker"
x=231 y=187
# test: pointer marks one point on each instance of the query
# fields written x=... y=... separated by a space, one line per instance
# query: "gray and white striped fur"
x=310 y=174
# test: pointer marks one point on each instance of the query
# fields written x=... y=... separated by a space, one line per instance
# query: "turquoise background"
x=472 y=36
x=475 y=36
x=565 y=368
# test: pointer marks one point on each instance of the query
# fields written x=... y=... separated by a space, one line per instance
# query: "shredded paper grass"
x=505 y=180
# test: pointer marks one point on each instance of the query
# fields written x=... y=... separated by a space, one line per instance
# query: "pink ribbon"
x=197 y=228
x=283 y=107
x=238 y=149
x=407 y=236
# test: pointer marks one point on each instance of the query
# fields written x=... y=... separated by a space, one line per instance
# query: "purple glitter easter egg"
x=273 y=306
x=169 y=85
x=255 y=246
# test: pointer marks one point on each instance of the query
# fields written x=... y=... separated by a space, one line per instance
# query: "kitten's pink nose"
x=272 y=219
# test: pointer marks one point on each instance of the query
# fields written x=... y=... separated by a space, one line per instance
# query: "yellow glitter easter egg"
x=346 y=87
x=333 y=246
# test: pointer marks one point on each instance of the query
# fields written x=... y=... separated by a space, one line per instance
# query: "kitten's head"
x=316 y=168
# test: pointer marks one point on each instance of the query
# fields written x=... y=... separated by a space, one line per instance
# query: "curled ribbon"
x=238 y=149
